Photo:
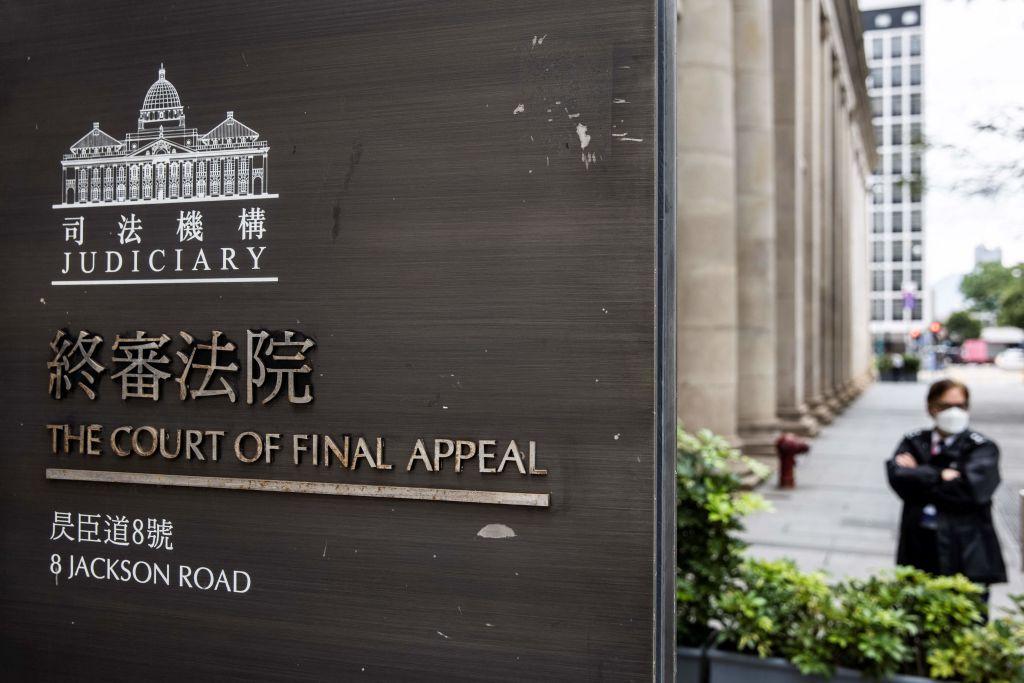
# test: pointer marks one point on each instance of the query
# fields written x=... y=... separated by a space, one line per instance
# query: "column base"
x=759 y=439
x=820 y=410
x=866 y=379
x=843 y=395
x=851 y=390
x=732 y=439
x=799 y=421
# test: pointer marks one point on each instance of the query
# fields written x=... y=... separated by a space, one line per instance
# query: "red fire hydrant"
x=789 y=446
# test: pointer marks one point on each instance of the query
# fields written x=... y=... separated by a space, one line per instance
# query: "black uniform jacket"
x=964 y=540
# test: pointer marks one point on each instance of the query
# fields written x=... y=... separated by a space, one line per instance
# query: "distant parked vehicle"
x=1010 y=359
x=950 y=353
x=974 y=351
x=1001 y=338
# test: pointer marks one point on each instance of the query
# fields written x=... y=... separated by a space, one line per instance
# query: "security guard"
x=946 y=477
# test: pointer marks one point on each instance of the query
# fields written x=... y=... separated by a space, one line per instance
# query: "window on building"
x=879 y=134
x=896 y=46
x=877 y=309
x=897 y=222
x=877 y=194
x=878 y=222
x=916 y=250
x=916 y=134
x=897 y=134
x=915 y=221
x=915 y=104
x=896 y=75
x=897 y=280
x=875 y=78
x=915 y=162
x=915 y=74
x=915 y=190
x=897 y=104
x=897 y=163
x=897 y=251
x=915 y=276
x=915 y=45
x=877 y=251
x=876 y=106
x=897 y=308
x=897 y=192
x=878 y=281
x=916 y=312
x=876 y=48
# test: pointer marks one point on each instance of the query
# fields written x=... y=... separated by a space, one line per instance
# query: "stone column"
x=788 y=62
x=861 y=353
x=755 y=224
x=812 y=125
x=829 y=280
x=843 y=257
x=706 y=282
x=840 y=251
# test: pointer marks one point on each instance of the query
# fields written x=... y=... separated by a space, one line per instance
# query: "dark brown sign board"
x=337 y=340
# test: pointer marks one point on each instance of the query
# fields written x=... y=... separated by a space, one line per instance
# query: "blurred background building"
x=893 y=46
x=945 y=295
x=775 y=148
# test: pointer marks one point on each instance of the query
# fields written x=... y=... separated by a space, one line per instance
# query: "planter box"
x=691 y=665
x=900 y=375
x=730 y=667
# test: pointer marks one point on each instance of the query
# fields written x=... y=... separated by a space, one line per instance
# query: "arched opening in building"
x=69 y=197
x=257 y=185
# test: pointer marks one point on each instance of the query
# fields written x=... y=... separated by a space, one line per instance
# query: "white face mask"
x=952 y=420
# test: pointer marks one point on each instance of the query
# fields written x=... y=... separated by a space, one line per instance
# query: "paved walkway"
x=844 y=519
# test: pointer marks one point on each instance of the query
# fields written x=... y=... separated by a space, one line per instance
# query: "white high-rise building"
x=896 y=249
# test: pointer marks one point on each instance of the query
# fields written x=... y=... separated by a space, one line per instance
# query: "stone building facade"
x=774 y=154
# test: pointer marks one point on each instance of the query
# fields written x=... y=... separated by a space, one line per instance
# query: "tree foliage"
x=1011 y=305
x=961 y=325
x=985 y=286
x=983 y=176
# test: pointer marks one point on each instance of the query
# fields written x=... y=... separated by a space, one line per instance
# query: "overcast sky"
x=974 y=70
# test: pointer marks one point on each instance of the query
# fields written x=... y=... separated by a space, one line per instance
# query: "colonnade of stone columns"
x=772 y=121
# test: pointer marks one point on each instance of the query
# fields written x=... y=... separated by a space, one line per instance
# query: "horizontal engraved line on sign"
x=163 y=281
x=167 y=200
x=319 y=488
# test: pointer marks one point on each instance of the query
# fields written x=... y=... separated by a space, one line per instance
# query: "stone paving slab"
x=844 y=519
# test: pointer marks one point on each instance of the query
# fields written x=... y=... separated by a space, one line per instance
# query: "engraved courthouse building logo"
x=165 y=162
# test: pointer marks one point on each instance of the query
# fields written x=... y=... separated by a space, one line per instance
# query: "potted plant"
x=886 y=371
x=989 y=653
x=911 y=366
x=779 y=625
x=800 y=628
